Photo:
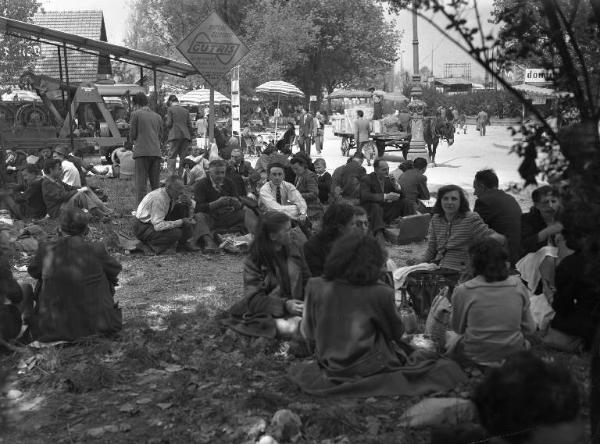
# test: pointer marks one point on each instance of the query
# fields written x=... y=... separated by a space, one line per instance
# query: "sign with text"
x=537 y=75
x=212 y=48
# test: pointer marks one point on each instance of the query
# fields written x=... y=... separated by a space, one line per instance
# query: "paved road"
x=456 y=164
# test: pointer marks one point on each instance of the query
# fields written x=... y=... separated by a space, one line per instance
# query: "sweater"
x=492 y=317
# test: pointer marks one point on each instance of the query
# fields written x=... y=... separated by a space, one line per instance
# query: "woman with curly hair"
x=490 y=311
x=338 y=220
x=453 y=228
x=275 y=274
x=350 y=319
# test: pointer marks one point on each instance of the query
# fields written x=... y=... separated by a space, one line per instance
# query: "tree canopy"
x=16 y=54
x=316 y=44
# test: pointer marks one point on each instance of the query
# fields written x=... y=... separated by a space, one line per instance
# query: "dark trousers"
x=382 y=214
x=147 y=168
x=160 y=241
x=231 y=222
x=304 y=142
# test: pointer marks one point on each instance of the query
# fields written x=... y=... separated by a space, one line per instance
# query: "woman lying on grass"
x=351 y=320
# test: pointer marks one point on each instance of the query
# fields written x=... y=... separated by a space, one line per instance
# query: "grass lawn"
x=175 y=376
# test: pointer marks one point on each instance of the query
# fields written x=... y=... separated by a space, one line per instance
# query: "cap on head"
x=61 y=149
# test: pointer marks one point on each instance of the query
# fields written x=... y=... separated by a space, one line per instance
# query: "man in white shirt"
x=70 y=172
x=279 y=195
x=164 y=219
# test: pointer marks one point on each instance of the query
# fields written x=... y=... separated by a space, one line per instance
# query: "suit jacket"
x=55 y=194
x=414 y=185
x=371 y=191
x=146 y=132
x=307 y=186
x=179 y=123
x=503 y=214
x=324 y=183
x=205 y=193
x=239 y=176
x=306 y=125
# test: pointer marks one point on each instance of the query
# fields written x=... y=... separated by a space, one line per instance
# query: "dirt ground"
x=175 y=375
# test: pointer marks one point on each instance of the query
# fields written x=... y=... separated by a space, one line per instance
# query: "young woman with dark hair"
x=351 y=319
x=338 y=221
x=453 y=228
x=274 y=277
x=490 y=311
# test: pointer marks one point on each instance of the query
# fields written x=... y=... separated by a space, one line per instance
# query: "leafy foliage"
x=16 y=54
x=497 y=103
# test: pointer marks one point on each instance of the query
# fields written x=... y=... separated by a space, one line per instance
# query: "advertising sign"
x=537 y=75
x=212 y=48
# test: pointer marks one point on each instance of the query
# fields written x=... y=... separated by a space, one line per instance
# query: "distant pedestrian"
x=180 y=134
x=146 y=133
x=482 y=122
x=362 y=128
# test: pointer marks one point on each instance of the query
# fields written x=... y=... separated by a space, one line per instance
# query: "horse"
x=434 y=129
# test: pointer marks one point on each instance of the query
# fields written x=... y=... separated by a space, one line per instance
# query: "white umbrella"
x=201 y=96
x=279 y=88
x=22 y=95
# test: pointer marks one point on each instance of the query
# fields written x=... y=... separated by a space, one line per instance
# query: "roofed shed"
x=82 y=67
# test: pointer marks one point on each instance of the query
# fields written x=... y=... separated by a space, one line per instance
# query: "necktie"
x=278 y=194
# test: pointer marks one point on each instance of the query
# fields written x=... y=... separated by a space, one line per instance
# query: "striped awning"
x=201 y=96
x=279 y=87
x=349 y=94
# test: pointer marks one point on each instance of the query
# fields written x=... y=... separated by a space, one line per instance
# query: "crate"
x=408 y=229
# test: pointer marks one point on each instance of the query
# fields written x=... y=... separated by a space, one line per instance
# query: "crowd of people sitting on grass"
x=317 y=272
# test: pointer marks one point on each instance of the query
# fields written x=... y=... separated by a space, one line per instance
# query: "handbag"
x=407 y=313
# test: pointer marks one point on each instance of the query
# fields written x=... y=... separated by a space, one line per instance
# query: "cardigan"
x=449 y=242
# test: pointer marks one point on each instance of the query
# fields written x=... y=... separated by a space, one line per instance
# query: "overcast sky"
x=116 y=14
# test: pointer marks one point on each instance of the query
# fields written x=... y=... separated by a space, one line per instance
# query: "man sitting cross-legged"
x=382 y=199
x=281 y=196
x=57 y=195
x=218 y=206
x=164 y=219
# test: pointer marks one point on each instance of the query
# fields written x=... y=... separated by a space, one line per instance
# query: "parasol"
x=201 y=96
x=279 y=88
x=349 y=94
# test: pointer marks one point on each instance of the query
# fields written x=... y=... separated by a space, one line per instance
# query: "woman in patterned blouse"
x=453 y=228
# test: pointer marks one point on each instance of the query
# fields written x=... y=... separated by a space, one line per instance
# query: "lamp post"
x=416 y=107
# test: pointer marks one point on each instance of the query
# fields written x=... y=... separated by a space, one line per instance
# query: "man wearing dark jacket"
x=31 y=199
x=413 y=184
x=180 y=133
x=345 y=182
x=499 y=210
x=382 y=199
x=217 y=204
x=146 y=134
x=239 y=172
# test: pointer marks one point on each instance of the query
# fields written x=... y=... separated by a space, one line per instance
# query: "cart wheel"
x=345 y=146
